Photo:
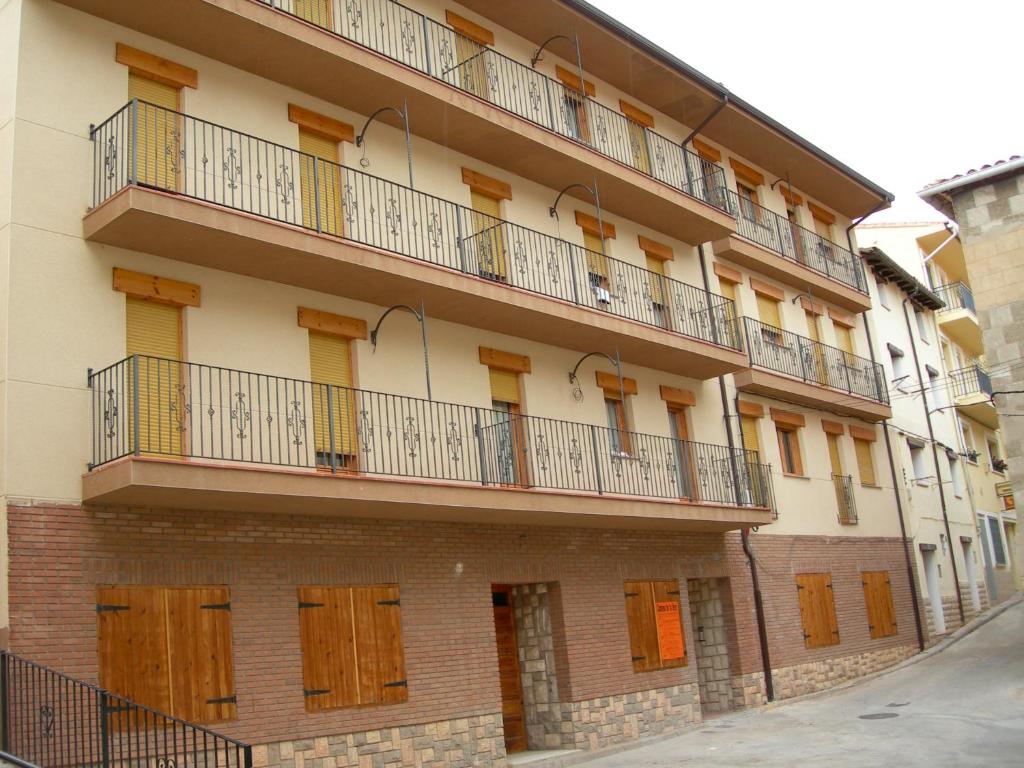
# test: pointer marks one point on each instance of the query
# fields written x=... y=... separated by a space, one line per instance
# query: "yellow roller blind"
x=727 y=288
x=844 y=339
x=638 y=144
x=596 y=262
x=315 y=11
x=158 y=139
x=768 y=310
x=153 y=331
x=320 y=160
x=471 y=65
x=330 y=365
x=865 y=461
x=749 y=426
x=657 y=266
x=833 y=453
x=504 y=386
x=490 y=243
x=819 y=357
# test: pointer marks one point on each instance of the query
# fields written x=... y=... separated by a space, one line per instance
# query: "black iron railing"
x=417 y=41
x=152 y=406
x=955 y=296
x=147 y=145
x=51 y=720
x=844 y=498
x=813 y=362
x=972 y=380
x=777 y=233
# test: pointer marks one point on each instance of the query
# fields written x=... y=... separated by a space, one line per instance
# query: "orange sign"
x=1009 y=502
x=670 y=631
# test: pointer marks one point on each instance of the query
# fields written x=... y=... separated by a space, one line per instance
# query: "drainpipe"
x=935 y=459
x=762 y=629
x=907 y=557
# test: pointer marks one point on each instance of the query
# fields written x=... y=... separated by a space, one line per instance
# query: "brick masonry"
x=59 y=555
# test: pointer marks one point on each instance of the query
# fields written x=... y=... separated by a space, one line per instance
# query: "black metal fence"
x=51 y=720
x=417 y=41
x=151 y=146
x=845 y=499
x=955 y=296
x=972 y=380
x=777 y=233
x=811 y=361
x=153 y=406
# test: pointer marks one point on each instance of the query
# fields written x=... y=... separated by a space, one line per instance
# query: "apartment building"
x=942 y=414
x=986 y=203
x=424 y=384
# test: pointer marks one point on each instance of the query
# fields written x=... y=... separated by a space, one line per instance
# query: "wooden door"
x=488 y=236
x=508 y=669
x=158 y=151
x=657 y=285
x=796 y=231
x=320 y=183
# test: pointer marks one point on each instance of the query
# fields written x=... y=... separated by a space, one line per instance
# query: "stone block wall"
x=816 y=676
x=711 y=645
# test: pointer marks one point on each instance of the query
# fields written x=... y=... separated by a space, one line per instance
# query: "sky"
x=902 y=91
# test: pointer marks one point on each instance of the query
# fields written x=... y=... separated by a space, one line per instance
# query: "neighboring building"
x=941 y=397
x=233 y=491
x=988 y=206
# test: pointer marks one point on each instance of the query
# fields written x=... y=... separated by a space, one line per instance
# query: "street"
x=963 y=706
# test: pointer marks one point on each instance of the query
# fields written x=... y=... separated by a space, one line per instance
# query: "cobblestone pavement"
x=962 y=706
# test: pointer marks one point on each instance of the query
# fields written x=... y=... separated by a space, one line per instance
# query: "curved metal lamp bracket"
x=402 y=113
x=540 y=50
x=574 y=379
x=421 y=317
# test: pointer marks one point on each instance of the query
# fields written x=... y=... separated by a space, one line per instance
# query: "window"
x=656 y=639
x=935 y=386
x=334 y=400
x=506 y=439
x=574 y=101
x=865 y=461
x=817 y=609
x=351 y=639
x=619 y=435
x=969 y=449
x=728 y=289
x=487 y=240
x=996 y=537
x=686 y=466
x=168 y=648
x=596 y=246
x=748 y=426
x=769 y=313
x=656 y=285
x=900 y=369
x=954 y=474
x=789 y=450
x=750 y=208
x=844 y=340
x=878 y=600
x=917 y=460
x=994 y=457
x=922 y=326
x=883 y=293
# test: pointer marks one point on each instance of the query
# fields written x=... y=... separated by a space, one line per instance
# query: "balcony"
x=845 y=499
x=772 y=245
x=195 y=191
x=174 y=434
x=959 y=319
x=972 y=393
x=486 y=105
x=800 y=370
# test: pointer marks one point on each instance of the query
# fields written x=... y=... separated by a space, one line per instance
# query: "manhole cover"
x=897 y=704
x=878 y=716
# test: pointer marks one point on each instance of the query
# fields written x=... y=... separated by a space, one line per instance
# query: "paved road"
x=961 y=707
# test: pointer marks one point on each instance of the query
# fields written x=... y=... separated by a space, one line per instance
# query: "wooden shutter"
x=330 y=365
x=596 y=261
x=320 y=161
x=380 y=661
x=817 y=609
x=133 y=657
x=748 y=424
x=878 y=600
x=833 y=453
x=865 y=461
x=314 y=11
x=327 y=639
x=199 y=644
x=153 y=331
x=768 y=310
x=657 y=280
x=504 y=386
x=488 y=235
x=656 y=638
x=157 y=135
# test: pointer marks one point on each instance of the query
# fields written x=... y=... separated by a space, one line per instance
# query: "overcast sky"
x=902 y=91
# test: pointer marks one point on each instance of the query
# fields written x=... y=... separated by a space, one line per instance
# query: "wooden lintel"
x=159 y=289
x=328 y=322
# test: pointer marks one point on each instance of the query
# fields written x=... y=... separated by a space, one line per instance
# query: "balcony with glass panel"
x=773 y=245
x=366 y=54
x=194 y=191
x=797 y=369
x=167 y=433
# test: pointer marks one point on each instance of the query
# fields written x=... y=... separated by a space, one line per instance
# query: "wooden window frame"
x=650 y=605
x=795 y=468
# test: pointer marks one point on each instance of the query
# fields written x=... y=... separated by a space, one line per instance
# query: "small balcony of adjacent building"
x=172 y=434
x=845 y=499
x=971 y=388
x=800 y=370
x=186 y=189
x=774 y=246
x=959 y=318
x=462 y=94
